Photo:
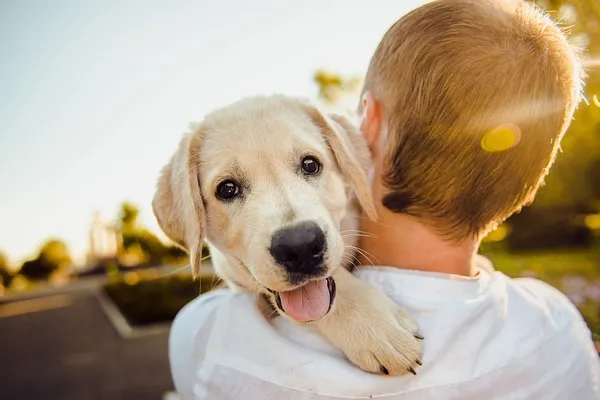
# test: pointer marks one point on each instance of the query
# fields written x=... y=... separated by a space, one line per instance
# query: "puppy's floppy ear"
x=177 y=202
x=351 y=154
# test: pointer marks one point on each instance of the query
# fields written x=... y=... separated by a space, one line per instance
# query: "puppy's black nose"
x=299 y=249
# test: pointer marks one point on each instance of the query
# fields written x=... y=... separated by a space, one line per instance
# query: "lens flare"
x=501 y=138
x=591 y=61
x=592 y=221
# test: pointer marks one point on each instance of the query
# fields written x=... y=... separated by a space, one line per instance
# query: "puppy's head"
x=267 y=181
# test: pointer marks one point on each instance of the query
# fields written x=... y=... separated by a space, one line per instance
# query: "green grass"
x=552 y=265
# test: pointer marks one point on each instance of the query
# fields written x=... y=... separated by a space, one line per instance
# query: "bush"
x=53 y=256
x=549 y=228
x=151 y=301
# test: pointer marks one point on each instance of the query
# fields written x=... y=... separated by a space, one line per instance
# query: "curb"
x=48 y=290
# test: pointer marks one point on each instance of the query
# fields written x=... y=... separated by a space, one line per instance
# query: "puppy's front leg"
x=373 y=332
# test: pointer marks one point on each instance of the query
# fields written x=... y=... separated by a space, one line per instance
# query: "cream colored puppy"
x=276 y=188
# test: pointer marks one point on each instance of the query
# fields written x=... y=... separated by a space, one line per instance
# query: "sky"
x=95 y=95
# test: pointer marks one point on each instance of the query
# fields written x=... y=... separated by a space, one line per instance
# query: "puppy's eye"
x=227 y=190
x=310 y=165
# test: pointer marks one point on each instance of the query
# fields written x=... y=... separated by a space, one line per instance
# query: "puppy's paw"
x=384 y=340
x=374 y=333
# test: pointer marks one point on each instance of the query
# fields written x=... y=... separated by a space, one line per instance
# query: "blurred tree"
x=138 y=243
x=337 y=90
x=573 y=179
x=5 y=274
x=145 y=244
x=52 y=257
x=571 y=190
x=128 y=216
x=329 y=85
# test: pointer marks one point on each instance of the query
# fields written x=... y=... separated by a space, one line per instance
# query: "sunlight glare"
x=591 y=62
x=592 y=221
x=501 y=138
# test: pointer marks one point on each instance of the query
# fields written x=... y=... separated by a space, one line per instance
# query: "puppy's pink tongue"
x=308 y=302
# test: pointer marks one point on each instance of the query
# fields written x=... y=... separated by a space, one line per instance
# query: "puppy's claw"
x=384 y=370
x=419 y=362
x=418 y=336
x=412 y=371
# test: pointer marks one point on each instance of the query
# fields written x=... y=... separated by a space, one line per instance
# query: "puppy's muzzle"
x=300 y=250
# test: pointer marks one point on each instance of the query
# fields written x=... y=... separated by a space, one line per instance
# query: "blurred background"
x=94 y=98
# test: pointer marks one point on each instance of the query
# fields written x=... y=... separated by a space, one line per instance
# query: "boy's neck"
x=399 y=240
x=402 y=241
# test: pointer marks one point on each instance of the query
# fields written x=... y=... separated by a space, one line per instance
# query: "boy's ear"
x=370 y=121
x=351 y=154
x=177 y=202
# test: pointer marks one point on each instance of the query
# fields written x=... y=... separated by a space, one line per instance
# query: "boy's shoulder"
x=546 y=300
x=516 y=330
x=541 y=311
x=537 y=296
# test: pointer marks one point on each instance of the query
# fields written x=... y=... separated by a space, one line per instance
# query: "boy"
x=464 y=106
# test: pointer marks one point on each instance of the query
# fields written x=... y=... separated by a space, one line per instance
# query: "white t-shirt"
x=488 y=337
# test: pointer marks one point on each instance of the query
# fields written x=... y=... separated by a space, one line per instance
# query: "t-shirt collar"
x=432 y=286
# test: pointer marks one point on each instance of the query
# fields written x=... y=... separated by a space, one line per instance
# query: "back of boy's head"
x=476 y=96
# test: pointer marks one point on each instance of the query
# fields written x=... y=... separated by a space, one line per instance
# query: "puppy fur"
x=259 y=143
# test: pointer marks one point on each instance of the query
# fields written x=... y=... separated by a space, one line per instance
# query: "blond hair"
x=450 y=75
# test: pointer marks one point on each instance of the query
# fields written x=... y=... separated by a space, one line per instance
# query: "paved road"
x=67 y=349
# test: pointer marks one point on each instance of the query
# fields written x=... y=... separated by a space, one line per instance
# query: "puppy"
x=276 y=188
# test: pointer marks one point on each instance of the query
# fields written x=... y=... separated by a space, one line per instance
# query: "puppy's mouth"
x=308 y=302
